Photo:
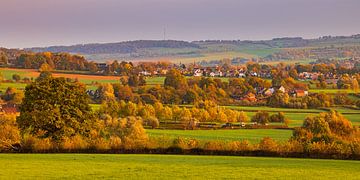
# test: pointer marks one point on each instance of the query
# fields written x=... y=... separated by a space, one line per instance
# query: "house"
x=331 y=81
x=9 y=109
x=216 y=73
x=282 y=89
x=250 y=97
x=269 y=92
x=241 y=75
x=300 y=93
x=145 y=73
x=197 y=72
x=101 y=65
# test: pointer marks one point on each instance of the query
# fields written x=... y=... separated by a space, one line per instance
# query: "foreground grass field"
x=116 y=166
x=252 y=135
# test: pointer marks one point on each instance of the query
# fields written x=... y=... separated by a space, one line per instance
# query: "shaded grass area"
x=271 y=109
x=117 y=166
x=252 y=135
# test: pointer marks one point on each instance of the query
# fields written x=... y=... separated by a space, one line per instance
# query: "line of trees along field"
x=56 y=117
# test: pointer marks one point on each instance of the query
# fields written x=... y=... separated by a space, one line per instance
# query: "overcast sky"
x=29 y=23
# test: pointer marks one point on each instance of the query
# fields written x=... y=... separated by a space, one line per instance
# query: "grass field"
x=213 y=56
x=331 y=91
x=119 y=166
x=271 y=109
x=252 y=135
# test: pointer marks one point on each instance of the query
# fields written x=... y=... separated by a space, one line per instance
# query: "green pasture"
x=4 y=86
x=136 y=166
x=331 y=91
x=8 y=73
x=252 y=135
x=271 y=109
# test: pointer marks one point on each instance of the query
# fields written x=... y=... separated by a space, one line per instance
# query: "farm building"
x=9 y=108
x=299 y=93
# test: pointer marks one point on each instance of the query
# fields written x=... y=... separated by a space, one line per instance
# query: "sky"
x=38 y=23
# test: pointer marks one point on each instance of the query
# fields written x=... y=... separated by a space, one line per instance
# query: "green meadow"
x=252 y=135
x=125 y=166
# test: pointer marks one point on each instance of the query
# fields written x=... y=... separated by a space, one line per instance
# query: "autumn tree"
x=125 y=93
x=4 y=60
x=106 y=92
x=45 y=67
x=55 y=108
x=278 y=99
x=16 y=77
x=242 y=117
x=175 y=79
x=261 y=117
x=355 y=85
x=9 y=134
x=152 y=121
x=132 y=132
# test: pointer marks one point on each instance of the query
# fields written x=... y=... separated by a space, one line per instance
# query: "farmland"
x=115 y=166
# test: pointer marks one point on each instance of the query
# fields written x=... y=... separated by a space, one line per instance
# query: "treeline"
x=56 y=117
x=58 y=61
x=180 y=90
x=328 y=135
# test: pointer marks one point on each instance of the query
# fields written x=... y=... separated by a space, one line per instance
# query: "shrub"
x=269 y=145
x=261 y=117
x=9 y=133
x=153 y=122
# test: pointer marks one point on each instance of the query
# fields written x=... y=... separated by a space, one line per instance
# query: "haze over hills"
x=202 y=50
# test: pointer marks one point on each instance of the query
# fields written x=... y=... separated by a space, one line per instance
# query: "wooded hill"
x=287 y=48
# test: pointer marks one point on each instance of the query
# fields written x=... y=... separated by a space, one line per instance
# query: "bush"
x=261 y=117
x=268 y=145
x=9 y=133
x=153 y=122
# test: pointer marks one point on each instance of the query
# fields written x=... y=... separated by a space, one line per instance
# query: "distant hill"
x=197 y=50
x=121 y=47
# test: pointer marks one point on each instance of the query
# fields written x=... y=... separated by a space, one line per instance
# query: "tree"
x=106 y=92
x=3 y=59
x=338 y=124
x=316 y=125
x=132 y=132
x=133 y=80
x=153 y=122
x=278 y=99
x=358 y=103
x=55 y=108
x=242 y=117
x=44 y=75
x=261 y=117
x=9 y=134
x=326 y=128
x=175 y=79
x=185 y=115
x=125 y=93
x=16 y=77
x=355 y=85
x=45 y=67
x=17 y=97
x=278 y=117
x=190 y=96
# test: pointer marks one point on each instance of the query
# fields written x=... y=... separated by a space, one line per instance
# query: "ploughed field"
x=131 y=166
